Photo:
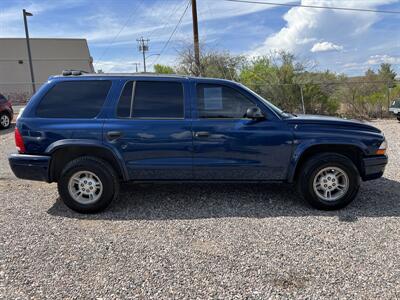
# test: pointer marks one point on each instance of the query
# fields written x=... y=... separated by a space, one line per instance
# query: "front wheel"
x=88 y=185
x=329 y=181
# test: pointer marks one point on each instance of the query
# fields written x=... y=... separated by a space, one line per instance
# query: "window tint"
x=158 y=99
x=74 y=99
x=124 y=104
x=218 y=101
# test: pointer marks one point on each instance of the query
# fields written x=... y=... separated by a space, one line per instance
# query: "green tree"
x=163 y=69
x=387 y=74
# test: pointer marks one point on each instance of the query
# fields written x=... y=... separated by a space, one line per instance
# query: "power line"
x=318 y=7
x=172 y=12
x=116 y=36
x=173 y=32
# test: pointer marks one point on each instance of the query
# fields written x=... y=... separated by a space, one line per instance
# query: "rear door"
x=151 y=128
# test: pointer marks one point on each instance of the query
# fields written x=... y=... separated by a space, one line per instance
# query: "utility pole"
x=28 y=14
x=196 y=39
x=143 y=47
x=136 y=65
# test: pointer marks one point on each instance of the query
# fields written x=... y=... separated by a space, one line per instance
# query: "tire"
x=329 y=175
x=398 y=118
x=5 y=121
x=96 y=177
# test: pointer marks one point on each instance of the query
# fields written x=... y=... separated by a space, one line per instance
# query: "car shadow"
x=8 y=130
x=177 y=201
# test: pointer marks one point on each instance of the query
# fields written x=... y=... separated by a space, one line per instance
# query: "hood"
x=333 y=121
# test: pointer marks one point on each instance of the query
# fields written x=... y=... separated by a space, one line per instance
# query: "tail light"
x=19 y=142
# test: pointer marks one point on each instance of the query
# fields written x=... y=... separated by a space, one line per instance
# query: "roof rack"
x=73 y=72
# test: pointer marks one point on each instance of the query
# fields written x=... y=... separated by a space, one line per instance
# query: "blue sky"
x=344 y=42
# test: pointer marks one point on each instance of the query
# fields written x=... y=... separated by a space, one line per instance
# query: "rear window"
x=151 y=99
x=74 y=99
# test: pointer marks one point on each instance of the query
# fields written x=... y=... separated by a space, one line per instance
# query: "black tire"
x=5 y=115
x=318 y=163
x=398 y=118
x=104 y=172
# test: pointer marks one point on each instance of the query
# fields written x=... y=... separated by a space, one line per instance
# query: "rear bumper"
x=31 y=167
x=374 y=167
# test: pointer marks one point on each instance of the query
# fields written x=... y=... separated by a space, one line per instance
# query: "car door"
x=230 y=146
x=151 y=129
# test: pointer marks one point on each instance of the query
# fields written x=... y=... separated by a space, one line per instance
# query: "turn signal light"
x=381 y=152
x=382 y=148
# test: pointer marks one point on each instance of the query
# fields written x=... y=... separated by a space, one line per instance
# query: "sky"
x=341 y=41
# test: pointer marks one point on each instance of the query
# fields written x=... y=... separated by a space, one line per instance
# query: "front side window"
x=74 y=99
x=218 y=101
x=151 y=99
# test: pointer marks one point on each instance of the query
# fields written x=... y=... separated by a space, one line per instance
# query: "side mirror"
x=255 y=113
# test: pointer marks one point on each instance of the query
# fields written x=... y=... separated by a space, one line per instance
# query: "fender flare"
x=65 y=143
x=303 y=147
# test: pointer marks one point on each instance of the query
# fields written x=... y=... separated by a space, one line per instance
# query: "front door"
x=152 y=131
x=229 y=146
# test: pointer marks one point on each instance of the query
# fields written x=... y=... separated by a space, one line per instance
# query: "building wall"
x=49 y=56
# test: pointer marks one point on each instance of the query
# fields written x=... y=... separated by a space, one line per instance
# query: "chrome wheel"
x=5 y=121
x=85 y=187
x=330 y=184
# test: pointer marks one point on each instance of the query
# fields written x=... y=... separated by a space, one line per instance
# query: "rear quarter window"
x=74 y=99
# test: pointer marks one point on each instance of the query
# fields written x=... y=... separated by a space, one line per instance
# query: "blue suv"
x=89 y=132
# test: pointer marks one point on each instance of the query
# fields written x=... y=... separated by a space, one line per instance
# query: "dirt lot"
x=200 y=241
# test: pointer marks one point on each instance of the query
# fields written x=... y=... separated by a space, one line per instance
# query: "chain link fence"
x=363 y=100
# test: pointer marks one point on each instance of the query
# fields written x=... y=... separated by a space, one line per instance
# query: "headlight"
x=382 y=148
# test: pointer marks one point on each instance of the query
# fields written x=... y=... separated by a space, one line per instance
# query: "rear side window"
x=74 y=99
x=151 y=99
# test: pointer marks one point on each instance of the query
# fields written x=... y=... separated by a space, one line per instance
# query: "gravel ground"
x=200 y=241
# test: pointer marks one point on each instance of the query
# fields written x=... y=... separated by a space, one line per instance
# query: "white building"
x=50 y=56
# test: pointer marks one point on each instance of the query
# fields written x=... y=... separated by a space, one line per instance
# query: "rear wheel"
x=5 y=121
x=88 y=185
x=329 y=181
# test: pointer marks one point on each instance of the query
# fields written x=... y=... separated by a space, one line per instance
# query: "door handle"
x=113 y=135
x=202 y=134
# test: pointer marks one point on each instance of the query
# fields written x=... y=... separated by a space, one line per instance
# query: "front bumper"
x=374 y=167
x=31 y=167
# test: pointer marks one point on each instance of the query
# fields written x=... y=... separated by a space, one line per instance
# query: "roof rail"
x=73 y=72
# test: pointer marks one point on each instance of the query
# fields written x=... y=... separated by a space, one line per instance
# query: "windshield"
x=396 y=104
x=276 y=109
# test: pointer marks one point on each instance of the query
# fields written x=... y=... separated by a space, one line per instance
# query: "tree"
x=212 y=64
x=163 y=69
x=387 y=74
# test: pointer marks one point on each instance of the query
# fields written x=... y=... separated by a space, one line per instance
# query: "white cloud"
x=378 y=59
x=116 y=66
x=325 y=47
x=306 y=25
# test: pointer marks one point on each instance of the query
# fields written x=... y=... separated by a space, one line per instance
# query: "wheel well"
x=6 y=112
x=61 y=157
x=354 y=153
